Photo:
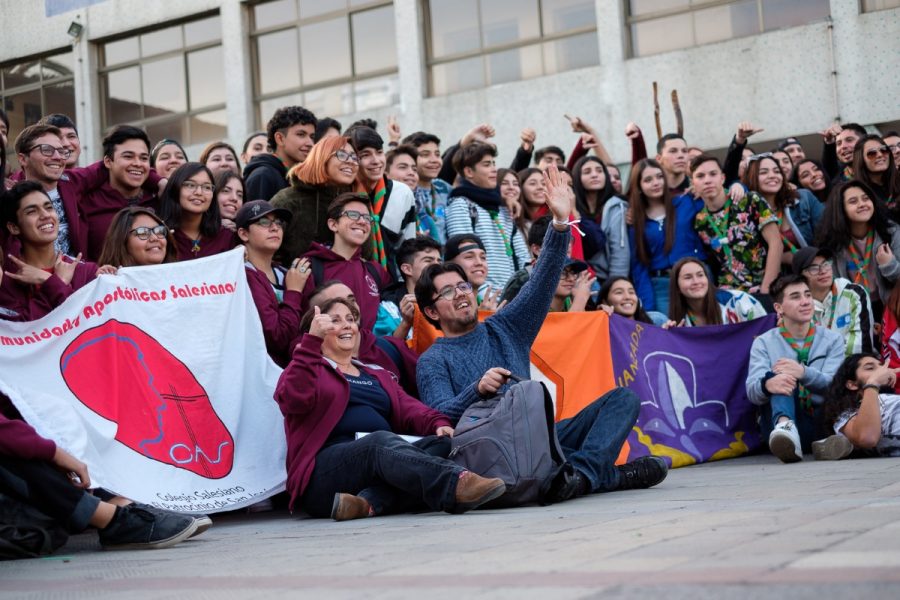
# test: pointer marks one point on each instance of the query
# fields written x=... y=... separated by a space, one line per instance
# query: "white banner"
x=158 y=379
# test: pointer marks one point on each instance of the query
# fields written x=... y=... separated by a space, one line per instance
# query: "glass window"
x=510 y=40
x=332 y=56
x=172 y=75
x=663 y=25
x=873 y=5
x=35 y=87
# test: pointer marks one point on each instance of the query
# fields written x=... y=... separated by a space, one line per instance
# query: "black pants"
x=38 y=484
x=390 y=473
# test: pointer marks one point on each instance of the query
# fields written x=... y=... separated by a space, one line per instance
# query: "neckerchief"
x=788 y=244
x=834 y=296
x=802 y=351
x=859 y=262
x=378 y=196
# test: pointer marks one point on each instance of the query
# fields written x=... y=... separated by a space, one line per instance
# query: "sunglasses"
x=355 y=215
x=760 y=156
x=143 y=233
x=880 y=150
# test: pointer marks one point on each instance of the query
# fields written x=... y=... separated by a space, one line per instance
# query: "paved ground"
x=747 y=528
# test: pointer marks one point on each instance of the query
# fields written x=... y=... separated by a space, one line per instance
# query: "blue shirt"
x=368 y=410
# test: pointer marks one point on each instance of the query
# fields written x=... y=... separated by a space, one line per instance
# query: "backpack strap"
x=317 y=268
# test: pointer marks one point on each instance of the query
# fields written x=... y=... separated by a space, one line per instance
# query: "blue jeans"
x=788 y=406
x=661 y=294
x=592 y=439
x=389 y=472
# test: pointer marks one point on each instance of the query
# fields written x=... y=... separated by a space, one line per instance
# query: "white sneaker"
x=784 y=442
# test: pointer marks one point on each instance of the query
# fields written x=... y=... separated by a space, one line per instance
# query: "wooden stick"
x=679 y=120
x=656 y=111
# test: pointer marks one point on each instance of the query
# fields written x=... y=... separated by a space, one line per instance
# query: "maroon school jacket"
x=31 y=302
x=224 y=241
x=313 y=396
x=280 y=322
x=19 y=439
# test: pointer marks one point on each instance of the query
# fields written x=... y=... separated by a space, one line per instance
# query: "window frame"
x=185 y=116
x=295 y=25
x=42 y=83
x=431 y=61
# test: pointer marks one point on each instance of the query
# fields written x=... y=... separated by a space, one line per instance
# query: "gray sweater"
x=825 y=356
x=449 y=371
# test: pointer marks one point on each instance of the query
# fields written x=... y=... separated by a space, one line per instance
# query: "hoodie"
x=264 y=175
x=353 y=273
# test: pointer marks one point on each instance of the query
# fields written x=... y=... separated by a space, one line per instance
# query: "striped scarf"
x=378 y=197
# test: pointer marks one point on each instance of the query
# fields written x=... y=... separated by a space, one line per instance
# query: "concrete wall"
x=781 y=80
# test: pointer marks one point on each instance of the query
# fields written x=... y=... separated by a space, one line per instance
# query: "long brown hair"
x=889 y=188
x=115 y=247
x=312 y=170
x=639 y=204
x=783 y=197
x=678 y=306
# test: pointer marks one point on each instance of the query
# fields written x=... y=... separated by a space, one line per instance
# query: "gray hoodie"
x=615 y=258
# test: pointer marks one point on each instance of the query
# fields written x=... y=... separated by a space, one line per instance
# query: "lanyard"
x=495 y=217
x=860 y=262
x=834 y=299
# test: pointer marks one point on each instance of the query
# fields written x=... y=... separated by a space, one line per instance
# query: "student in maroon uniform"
x=187 y=207
x=230 y=192
x=166 y=156
x=137 y=238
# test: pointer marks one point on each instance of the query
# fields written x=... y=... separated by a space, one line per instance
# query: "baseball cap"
x=459 y=243
x=257 y=209
x=804 y=257
x=789 y=142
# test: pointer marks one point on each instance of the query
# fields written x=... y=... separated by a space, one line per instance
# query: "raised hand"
x=26 y=273
x=557 y=194
x=66 y=270
x=491 y=299
x=295 y=278
x=830 y=133
x=321 y=324
x=579 y=125
x=527 y=136
x=745 y=130
x=632 y=131
x=479 y=133
x=393 y=130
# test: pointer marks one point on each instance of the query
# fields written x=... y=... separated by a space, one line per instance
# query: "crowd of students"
x=349 y=249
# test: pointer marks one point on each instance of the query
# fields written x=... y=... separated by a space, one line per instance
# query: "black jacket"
x=264 y=175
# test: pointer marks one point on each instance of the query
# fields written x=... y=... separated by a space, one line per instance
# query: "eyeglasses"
x=346 y=156
x=143 y=233
x=873 y=152
x=267 y=222
x=355 y=215
x=191 y=186
x=760 y=156
x=48 y=150
x=825 y=265
x=449 y=292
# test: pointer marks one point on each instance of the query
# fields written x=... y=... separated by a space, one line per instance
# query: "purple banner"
x=691 y=382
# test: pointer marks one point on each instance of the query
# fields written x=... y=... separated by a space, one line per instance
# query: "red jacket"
x=313 y=396
x=354 y=274
x=31 y=302
x=19 y=439
x=224 y=241
x=280 y=322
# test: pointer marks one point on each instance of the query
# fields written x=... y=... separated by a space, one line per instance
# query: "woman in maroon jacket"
x=275 y=290
x=326 y=397
x=39 y=279
x=188 y=208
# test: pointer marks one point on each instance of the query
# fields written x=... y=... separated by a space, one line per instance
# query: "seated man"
x=862 y=408
x=476 y=360
x=398 y=300
x=790 y=369
x=52 y=485
x=841 y=306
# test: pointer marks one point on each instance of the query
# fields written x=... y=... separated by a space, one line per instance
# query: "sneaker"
x=347 y=507
x=203 y=521
x=642 y=473
x=135 y=527
x=569 y=483
x=834 y=447
x=473 y=490
x=784 y=442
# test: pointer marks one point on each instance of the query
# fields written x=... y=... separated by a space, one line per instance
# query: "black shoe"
x=136 y=527
x=569 y=483
x=645 y=472
x=203 y=521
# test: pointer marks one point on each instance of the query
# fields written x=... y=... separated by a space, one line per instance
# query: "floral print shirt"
x=733 y=234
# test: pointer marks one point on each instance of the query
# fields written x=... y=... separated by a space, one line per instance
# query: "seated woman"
x=618 y=296
x=693 y=302
x=187 y=208
x=40 y=278
x=276 y=291
x=573 y=293
x=327 y=397
x=863 y=408
x=864 y=242
x=349 y=220
x=220 y=157
x=329 y=170
x=137 y=237
x=230 y=194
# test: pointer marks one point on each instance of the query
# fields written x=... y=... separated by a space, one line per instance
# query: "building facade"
x=204 y=70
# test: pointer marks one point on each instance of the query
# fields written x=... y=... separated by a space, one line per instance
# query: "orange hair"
x=312 y=170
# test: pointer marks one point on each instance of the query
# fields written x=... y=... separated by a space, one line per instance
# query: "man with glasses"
x=477 y=360
x=69 y=135
x=840 y=305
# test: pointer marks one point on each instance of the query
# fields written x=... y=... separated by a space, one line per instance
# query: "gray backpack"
x=512 y=437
